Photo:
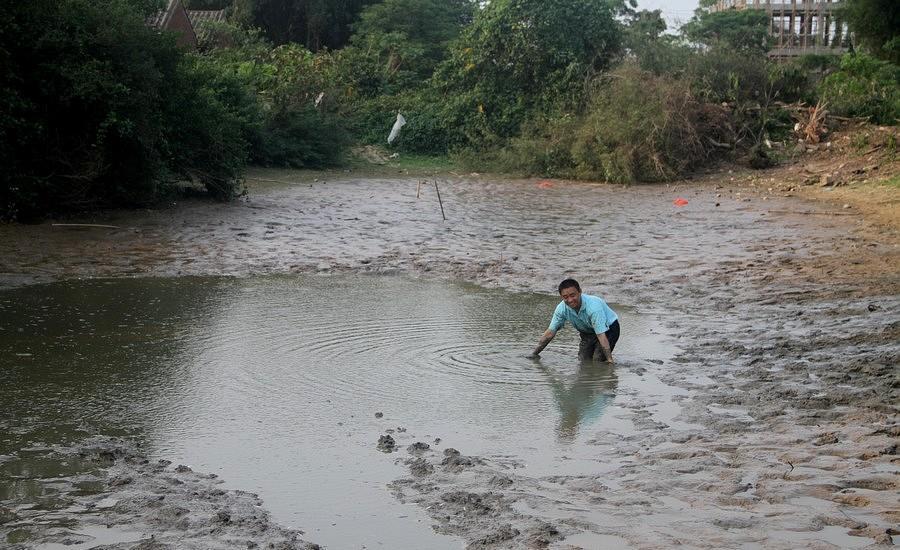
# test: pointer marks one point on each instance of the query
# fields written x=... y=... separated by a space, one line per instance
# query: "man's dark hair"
x=569 y=283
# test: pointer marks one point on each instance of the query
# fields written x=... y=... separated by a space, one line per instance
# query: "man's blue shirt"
x=594 y=316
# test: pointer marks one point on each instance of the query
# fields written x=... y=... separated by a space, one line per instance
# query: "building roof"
x=199 y=16
x=162 y=17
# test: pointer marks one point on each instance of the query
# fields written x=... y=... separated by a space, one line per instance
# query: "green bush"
x=637 y=126
x=98 y=109
x=643 y=127
x=293 y=120
x=864 y=87
x=301 y=138
x=544 y=148
x=209 y=118
x=521 y=58
x=721 y=74
x=424 y=132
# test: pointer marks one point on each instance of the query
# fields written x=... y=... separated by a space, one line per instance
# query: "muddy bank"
x=114 y=497
x=785 y=311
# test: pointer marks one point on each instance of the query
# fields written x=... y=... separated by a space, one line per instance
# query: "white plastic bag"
x=395 y=131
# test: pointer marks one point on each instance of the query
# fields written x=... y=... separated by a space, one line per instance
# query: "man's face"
x=571 y=296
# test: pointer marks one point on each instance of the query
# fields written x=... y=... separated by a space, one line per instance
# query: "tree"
x=876 y=24
x=398 y=43
x=316 y=24
x=745 y=31
x=99 y=109
x=645 y=41
x=519 y=56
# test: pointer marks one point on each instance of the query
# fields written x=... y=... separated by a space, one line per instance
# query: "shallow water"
x=274 y=383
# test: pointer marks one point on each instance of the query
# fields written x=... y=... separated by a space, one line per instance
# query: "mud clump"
x=543 y=536
x=418 y=447
x=500 y=481
x=456 y=462
x=137 y=495
x=386 y=444
x=504 y=533
x=473 y=504
x=420 y=467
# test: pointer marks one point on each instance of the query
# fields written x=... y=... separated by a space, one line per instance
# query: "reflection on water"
x=583 y=397
x=274 y=383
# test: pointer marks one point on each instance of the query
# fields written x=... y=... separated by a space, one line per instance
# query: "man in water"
x=597 y=323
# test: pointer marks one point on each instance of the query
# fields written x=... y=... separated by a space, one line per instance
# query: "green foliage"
x=722 y=74
x=295 y=92
x=424 y=131
x=637 y=126
x=301 y=138
x=316 y=24
x=98 y=109
x=876 y=25
x=210 y=118
x=745 y=31
x=654 y=51
x=398 y=43
x=864 y=87
x=519 y=57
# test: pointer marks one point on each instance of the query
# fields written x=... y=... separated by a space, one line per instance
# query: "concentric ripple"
x=276 y=381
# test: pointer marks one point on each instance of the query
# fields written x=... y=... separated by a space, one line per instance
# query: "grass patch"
x=423 y=163
x=406 y=163
x=893 y=182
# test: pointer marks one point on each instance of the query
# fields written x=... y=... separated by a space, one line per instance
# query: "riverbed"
x=274 y=341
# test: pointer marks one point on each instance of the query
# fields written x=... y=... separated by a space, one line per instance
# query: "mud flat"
x=786 y=314
x=113 y=497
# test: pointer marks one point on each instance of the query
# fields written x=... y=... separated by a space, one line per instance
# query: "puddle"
x=274 y=383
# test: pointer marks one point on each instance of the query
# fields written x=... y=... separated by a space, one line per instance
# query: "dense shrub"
x=637 y=127
x=865 y=87
x=745 y=31
x=521 y=58
x=300 y=138
x=209 y=119
x=296 y=95
x=371 y=121
x=721 y=74
x=98 y=109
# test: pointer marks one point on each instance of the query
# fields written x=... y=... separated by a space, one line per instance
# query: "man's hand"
x=605 y=347
x=542 y=343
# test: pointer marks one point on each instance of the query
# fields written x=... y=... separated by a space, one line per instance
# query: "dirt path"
x=786 y=313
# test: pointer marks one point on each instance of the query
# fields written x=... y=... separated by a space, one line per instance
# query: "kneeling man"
x=597 y=323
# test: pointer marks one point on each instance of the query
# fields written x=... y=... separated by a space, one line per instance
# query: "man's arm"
x=542 y=343
x=604 y=345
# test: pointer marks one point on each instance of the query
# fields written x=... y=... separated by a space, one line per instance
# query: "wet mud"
x=115 y=498
x=785 y=428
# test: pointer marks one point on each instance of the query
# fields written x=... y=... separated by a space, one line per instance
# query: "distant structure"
x=199 y=18
x=800 y=27
x=187 y=24
x=175 y=18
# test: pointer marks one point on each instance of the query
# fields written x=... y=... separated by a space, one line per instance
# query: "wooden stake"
x=418 y=187
x=436 y=188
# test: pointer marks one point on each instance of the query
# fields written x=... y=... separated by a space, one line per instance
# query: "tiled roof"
x=199 y=16
x=159 y=20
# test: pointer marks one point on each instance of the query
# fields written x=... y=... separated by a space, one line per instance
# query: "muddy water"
x=274 y=383
x=774 y=424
